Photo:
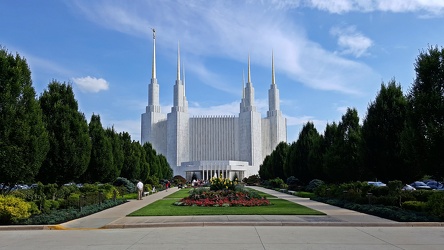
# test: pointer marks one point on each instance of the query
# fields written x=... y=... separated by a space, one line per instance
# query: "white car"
x=376 y=183
x=408 y=187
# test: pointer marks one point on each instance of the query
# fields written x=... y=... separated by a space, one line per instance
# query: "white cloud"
x=91 y=84
x=351 y=41
x=220 y=29
x=342 y=109
x=435 y=7
x=130 y=126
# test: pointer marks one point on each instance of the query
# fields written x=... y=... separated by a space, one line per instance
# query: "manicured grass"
x=182 y=193
x=165 y=207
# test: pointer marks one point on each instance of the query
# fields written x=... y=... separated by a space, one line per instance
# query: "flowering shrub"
x=13 y=209
x=222 y=184
x=223 y=198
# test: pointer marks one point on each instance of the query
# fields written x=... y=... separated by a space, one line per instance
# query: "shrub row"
x=63 y=215
x=388 y=212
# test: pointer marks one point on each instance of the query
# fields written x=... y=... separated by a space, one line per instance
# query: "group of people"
x=140 y=188
x=198 y=183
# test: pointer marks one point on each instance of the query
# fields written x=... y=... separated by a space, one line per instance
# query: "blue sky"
x=329 y=55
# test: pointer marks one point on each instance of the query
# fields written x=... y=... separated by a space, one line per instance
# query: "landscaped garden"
x=223 y=197
x=52 y=204
x=390 y=202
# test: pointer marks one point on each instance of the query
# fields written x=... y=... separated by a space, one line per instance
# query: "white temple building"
x=206 y=146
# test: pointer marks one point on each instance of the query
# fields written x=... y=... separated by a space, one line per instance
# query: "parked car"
x=420 y=185
x=376 y=183
x=434 y=184
x=408 y=187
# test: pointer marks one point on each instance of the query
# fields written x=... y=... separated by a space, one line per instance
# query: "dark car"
x=434 y=184
x=420 y=185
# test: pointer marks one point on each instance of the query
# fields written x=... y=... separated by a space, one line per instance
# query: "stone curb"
x=261 y=223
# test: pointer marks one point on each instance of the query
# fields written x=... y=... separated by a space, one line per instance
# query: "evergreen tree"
x=273 y=165
x=305 y=155
x=265 y=169
x=126 y=145
x=307 y=148
x=23 y=137
x=133 y=155
x=101 y=165
x=425 y=126
x=381 y=134
x=167 y=172
x=342 y=158
x=152 y=159
x=70 y=145
x=330 y=157
x=144 y=165
x=349 y=148
x=116 y=144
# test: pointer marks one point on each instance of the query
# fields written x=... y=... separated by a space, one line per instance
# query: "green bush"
x=252 y=180
x=435 y=204
x=276 y=182
x=178 y=179
x=108 y=191
x=422 y=195
x=13 y=209
x=388 y=212
x=125 y=186
x=418 y=206
x=313 y=184
x=49 y=205
x=305 y=194
x=154 y=181
x=293 y=183
x=89 y=188
x=65 y=191
x=64 y=215
x=34 y=209
x=148 y=187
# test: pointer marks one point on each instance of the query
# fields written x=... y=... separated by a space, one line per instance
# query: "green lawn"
x=165 y=207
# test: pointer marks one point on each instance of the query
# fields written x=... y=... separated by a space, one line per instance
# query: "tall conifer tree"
x=23 y=137
x=70 y=145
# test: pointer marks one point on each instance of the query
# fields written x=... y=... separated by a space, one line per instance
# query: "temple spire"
x=183 y=77
x=243 y=84
x=178 y=61
x=153 y=73
x=272 y=69
x=249 y=76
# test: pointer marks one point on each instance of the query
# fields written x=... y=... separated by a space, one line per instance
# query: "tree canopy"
x=70 y=144
x=23 y=137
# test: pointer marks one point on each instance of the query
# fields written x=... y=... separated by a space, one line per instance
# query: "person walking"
x=139 y=190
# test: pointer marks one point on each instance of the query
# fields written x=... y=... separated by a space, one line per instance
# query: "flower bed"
x=222 y=199
x=226 y=197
